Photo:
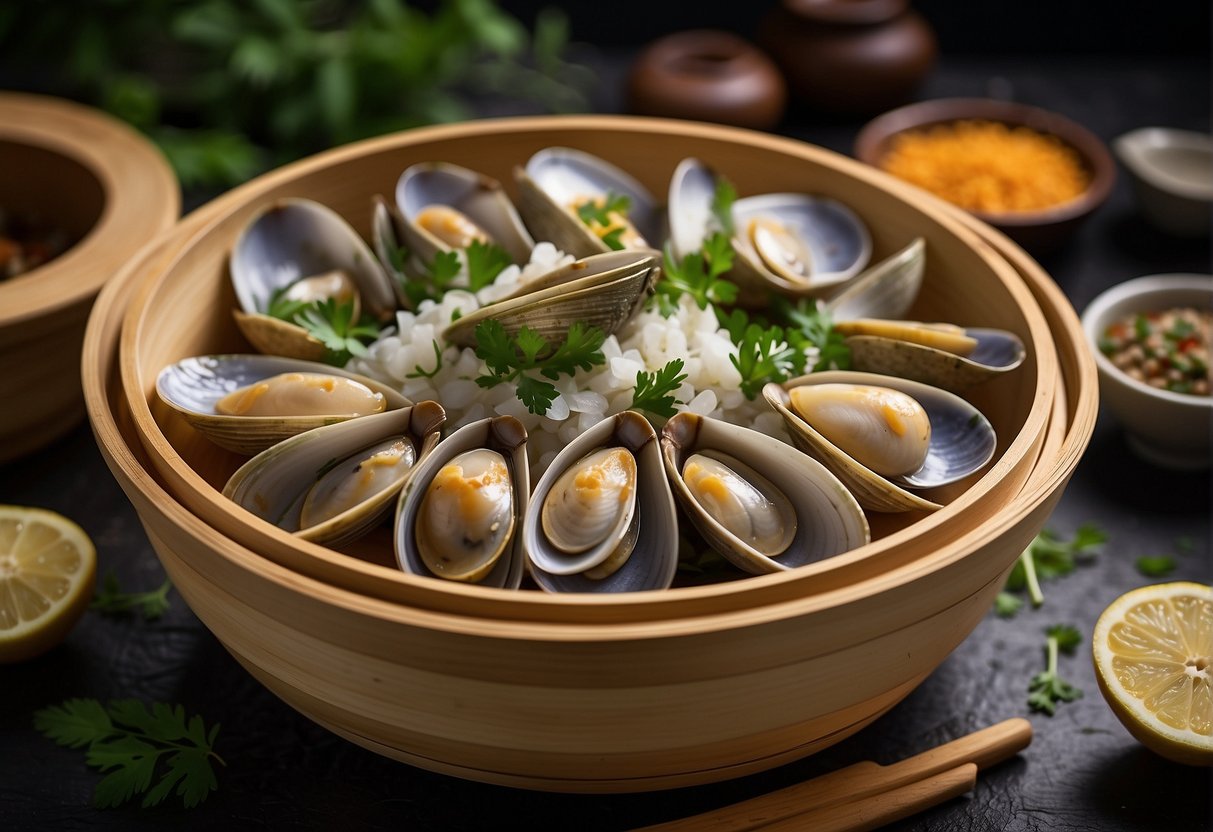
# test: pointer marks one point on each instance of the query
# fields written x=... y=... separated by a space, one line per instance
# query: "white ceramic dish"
x=1168 y=429
x=1172 y=174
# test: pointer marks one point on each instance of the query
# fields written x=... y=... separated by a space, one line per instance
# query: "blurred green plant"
x=230 y=87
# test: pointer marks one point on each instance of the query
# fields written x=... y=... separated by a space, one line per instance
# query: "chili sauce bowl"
x=1171 y=430
x=1172 y=174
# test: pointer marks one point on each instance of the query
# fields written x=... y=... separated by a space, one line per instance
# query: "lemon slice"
x=1152 y=648
x=47 y=565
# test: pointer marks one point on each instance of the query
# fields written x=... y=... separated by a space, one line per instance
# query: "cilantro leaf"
x=128 y=742
x=722 y=204
x=599 y=211
x=654 y=392
x=766 y=355
x=1049 y=556
x=281 y=307
x=1047 y=688
x=698 y=275
x=332 y=324
x=1156 y=566
x=814 y=322
x=614 y=239
x=111 y=599
x=485 y=262
x=510 y=359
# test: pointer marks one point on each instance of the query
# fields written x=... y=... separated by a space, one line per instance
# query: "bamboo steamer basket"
x=110 y=189
x=589 y=704
x=971 y=280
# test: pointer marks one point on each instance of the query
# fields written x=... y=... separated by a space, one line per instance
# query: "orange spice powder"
x=988 y=166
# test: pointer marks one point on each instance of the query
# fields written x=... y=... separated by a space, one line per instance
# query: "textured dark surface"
x=1082 y=771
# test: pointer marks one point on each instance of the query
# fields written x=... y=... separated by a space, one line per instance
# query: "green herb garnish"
x=436 y=281
x=421 y=372
x=111 y=599
x=1007 y=605
x=816 y=324
x=485 y=262
x=1048 y=557
x=697 y=275
x=592 y=211
x=283 y=308
x=766 y=355
x=512 y=359
x=1047 y=688
x=333 y=324
x=129 y=742
x=654 y=392
x=1155 y=566
x=722 y=205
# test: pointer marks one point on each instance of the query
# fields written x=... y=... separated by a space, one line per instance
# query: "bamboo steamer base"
x=329 y=651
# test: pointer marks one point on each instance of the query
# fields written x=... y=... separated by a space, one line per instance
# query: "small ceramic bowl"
x=1172 y=173
x=1168 y=429
x=1037 y=231
x=107 y=188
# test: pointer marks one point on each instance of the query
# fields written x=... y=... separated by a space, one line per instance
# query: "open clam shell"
x=478 y=199
x=387 y=239
x=276 y=482
x=503 y=435
x=602 y=290
x=885 y=290
x=193 y=386
x=654 y=553
x=790 y=243
x=962 y=441
x=828 y=519
x=289 y=240
x=996 y=352
x=558 y=178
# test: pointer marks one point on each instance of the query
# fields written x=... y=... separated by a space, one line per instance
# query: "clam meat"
x=741 y=500
x=466 y=518
x=591 y=501
x=884 y=429
x=302 y=394
x=357 y=480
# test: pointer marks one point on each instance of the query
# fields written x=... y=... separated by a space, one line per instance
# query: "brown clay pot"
x=707 y=75
x=850 y=56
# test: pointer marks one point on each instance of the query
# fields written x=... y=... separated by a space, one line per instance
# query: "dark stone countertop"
x=1082 y=771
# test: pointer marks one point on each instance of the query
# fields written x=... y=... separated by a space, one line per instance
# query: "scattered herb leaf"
x=1007 y=605
x=654 y=392
x=111 y=599
x=1156 y=566
x=421 y=372
x=510 y=359
x=485 y=262
x=815 y=323
x=697 y=275
x=599 y=210
x=129 y=741
x=766 y=355
x=722 y=205
x=1049 y=556
x=1047 y=688
x=283 y=308
x=333 y=324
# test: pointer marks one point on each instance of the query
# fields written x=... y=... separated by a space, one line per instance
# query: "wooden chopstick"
x=982 y=748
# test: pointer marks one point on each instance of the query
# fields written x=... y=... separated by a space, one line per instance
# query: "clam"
x=601 y=518
x=936 y=440
x=446 y=207
x=952 y=357
x=558 y=183
x=602 y=290
x=885 y=290
x=387 y=239
x=763 y=505
x=458 y=516
x=275 y=398
x=297 y=240
x=333 y=484
x=793 y=244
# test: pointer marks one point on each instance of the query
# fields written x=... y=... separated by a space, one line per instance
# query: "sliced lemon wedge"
x=47 y=568
x=1152 y=649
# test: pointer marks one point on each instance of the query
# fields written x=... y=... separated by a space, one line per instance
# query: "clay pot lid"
x=847 y=11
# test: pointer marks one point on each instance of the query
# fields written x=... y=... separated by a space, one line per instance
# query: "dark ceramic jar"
x=850 y=56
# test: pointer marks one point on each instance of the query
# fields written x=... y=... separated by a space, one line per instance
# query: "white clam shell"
x=997 y=352
x=274 y=484
x=654 y=559
x=503 y=434
x=192 y=387
x=962 y=442
x=828 y=519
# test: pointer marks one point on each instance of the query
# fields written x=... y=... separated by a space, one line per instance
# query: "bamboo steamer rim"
x=740 y=595
x=101 y=338
x=141 y=199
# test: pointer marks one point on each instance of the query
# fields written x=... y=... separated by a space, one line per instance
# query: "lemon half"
x=47 y=567
x=1152 y=648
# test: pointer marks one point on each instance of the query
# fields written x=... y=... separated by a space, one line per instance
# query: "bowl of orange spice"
x=1031 y=173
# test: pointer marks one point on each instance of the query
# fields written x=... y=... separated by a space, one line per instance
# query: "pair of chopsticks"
x=868 y=795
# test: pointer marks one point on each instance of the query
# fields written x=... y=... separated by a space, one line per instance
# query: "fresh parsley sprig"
x=1155 y=566
x=654 y=392
x=765 y=355
x=332 y=324
x=111 y=599
x=513 y=359
x=698 y=275
x=485 y=262
x=434 y=280
x=132 y=743
x=598 y=213
x=1047 y=688
x=814 y=322
x=1047 y=557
